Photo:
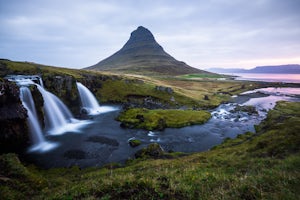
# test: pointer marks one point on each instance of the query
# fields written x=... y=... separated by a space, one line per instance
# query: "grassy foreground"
x=160 y=119
x=264 y=165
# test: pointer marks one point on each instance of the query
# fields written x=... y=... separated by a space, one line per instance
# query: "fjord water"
x=285 y=78
x=104 y=141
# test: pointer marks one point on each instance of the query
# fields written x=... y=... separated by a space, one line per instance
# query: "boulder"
x=153 y=150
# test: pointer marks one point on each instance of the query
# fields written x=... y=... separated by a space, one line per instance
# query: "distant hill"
x=143 y=55
x=277 y=69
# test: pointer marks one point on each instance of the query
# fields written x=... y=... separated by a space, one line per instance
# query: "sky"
x=202 y=33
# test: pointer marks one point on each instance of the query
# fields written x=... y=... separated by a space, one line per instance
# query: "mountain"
x=277 y=69
x=142 y=54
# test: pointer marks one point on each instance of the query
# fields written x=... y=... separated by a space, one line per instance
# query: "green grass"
x=160 y=119
x=202 y=76
x=262 y=165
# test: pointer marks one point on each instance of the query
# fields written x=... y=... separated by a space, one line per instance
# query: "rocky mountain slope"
x=143 y=55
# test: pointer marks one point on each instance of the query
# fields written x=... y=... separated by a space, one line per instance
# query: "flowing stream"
x=104 y=141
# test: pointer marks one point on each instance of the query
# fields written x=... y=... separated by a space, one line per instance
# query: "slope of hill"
x=143 y=55
x=277 y=69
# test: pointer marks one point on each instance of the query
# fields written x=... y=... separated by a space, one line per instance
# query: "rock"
x=164 y=89
x=134 y=142
x=153 y=150
x=140 y=118
x=14 y=135
x=248 y=109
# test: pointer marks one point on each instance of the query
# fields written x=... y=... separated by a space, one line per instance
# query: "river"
x=104 y=141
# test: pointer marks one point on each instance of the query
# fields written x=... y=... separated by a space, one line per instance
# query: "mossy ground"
x=160 y=119
x=262 y=165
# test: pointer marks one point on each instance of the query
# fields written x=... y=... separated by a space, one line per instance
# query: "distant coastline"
x=268 y=77
x=277 y=69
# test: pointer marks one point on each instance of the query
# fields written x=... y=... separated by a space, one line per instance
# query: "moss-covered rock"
x=134 y=142
x=160 y=119
x=153 y=150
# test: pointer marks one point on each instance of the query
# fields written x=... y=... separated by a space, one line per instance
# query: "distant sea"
x=285 y=78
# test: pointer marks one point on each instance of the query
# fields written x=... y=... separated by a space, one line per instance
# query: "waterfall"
x=57 y=114
x=37 y=137
x=89 y=102
x=41 y=82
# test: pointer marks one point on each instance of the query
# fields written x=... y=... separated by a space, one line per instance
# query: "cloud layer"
x=210 y=33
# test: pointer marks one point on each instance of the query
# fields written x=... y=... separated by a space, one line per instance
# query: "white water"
x=37 y=137
x=89 y=101
x=58 y=118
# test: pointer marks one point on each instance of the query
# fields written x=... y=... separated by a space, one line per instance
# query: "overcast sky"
x=202 y=33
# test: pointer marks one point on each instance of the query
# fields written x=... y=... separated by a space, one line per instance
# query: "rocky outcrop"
x=164 y=89
x=65 y=88
x=149 y=102
x=153 y=150
x=14 y=136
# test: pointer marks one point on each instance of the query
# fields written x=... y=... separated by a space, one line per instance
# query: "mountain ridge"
x=142 y=54
x=272 y=69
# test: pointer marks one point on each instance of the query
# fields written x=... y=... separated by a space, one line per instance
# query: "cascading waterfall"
x=58 y=117
x=89 y=102
x=37 y=137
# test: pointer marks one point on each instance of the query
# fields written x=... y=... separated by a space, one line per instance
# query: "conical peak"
x=141 y=33
x=140 y=37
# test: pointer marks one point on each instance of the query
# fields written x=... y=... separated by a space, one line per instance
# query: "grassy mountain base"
x=262 y=165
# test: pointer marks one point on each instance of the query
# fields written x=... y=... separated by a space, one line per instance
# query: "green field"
x=203 y=76
x=264 y=165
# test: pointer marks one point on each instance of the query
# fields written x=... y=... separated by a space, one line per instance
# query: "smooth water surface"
x=285 y=78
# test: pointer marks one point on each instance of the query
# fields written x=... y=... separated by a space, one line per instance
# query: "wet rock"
x=248 y=109
x=14 y=135
x=134 y=142
x=140 y=118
